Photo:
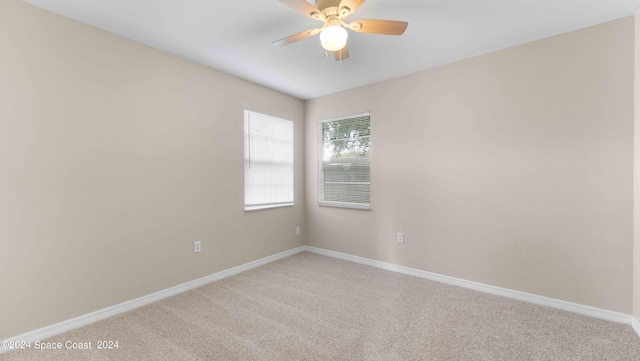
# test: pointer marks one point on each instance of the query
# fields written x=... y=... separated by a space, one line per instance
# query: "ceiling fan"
x=333 y=35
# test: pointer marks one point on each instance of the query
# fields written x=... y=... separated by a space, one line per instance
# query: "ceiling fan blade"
x=303 y=7
x=341 y=54
x=353 y=5
x=386 y=27
x=296 y=37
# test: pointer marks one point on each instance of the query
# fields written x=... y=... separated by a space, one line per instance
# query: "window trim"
x=320 y=152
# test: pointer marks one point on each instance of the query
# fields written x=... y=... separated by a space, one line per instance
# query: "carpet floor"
x=311 y=307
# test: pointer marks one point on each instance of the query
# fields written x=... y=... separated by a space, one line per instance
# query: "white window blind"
x=268 y=161
x=344 y=150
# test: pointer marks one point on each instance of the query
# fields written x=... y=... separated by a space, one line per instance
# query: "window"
x=268 y=161
x=344 y=150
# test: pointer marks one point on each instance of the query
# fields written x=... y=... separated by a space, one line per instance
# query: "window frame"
x=247 y=159
x=320 y=152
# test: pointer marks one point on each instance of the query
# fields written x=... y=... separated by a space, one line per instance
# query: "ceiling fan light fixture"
x=333 y=35
x=333 y=38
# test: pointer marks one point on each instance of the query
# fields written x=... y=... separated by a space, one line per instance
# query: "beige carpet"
x=310 y=307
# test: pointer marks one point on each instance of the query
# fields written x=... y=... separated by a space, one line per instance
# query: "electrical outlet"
x=297 y=230
x=196 y=246
x=400 y=237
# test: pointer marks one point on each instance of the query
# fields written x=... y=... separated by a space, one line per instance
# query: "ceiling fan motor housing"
x=323 y=4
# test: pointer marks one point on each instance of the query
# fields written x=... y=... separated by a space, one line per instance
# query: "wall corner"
x=636 y=175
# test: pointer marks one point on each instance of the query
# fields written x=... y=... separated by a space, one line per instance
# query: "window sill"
x=364 y=207
x=258 y=208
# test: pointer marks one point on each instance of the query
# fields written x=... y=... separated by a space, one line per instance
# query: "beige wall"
x=114 y=158
x=513 y=169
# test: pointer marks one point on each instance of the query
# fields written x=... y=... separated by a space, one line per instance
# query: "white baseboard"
x=64 y=326
x=518 y=295
x=61 y=327
x=636 y=325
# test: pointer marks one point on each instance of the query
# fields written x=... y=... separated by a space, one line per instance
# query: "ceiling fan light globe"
x=333 y=38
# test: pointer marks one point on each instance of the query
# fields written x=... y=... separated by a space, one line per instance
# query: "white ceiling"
x=235 y=36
